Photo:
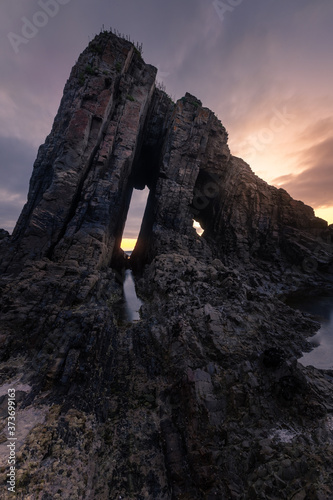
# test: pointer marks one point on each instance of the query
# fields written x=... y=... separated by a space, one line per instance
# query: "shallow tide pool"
x=322 y=309
x=132 y=302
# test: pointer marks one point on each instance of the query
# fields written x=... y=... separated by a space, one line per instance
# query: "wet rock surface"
x=203 y=398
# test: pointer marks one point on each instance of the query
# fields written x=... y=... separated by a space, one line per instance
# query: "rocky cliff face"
x=203 y=397
x=87 y=159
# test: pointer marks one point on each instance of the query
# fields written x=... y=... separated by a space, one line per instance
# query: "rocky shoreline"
x=203 y=398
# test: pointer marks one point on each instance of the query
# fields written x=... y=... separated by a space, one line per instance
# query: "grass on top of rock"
x=161 y=86
x=138 y=47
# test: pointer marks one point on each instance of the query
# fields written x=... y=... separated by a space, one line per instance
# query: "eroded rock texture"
x=202 y=398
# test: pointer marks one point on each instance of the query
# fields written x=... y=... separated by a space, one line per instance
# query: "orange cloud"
x=314 y=184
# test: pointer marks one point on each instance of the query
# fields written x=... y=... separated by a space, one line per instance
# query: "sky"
x=263 y=66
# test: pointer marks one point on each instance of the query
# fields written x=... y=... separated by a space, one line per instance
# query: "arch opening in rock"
x=197 y=227
x=134 y=219
x=205 y=203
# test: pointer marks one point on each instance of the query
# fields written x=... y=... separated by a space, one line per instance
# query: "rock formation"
x=203 y=398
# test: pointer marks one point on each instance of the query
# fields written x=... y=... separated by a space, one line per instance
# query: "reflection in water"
x=322 y=309
x=132 y=303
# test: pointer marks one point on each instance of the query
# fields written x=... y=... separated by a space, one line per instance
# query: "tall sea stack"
x=203 y=397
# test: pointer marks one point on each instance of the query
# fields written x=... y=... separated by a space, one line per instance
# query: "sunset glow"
x=128 y=244
x=197 y=227
x=325 y=213
x=134 y=219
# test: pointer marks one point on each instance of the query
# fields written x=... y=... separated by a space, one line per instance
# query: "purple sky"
x=264 y=68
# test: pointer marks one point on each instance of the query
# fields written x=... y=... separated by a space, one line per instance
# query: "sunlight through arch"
x=134 y=219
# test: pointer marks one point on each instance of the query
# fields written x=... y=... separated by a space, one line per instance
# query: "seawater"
x=322 y=309
x=132 y=302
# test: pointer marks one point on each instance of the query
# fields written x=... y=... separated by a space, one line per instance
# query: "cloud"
x=314 y=185
x=17 y=158
x=318 y=131
x=10 y=207
x=135 y=213
x=16 y=165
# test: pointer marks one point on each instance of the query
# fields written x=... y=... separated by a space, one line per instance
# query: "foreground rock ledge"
x=203 y=398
